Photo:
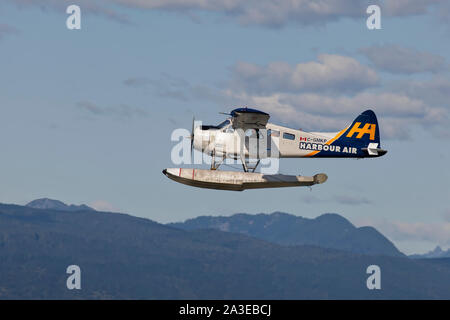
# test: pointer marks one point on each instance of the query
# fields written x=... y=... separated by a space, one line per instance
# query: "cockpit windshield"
x=223 y=124
x=220 y=126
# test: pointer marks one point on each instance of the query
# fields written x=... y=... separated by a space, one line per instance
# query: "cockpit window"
x=223 y=124
x=288 y=136
x=218 y=127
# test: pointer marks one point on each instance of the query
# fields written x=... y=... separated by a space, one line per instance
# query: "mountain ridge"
x=46 y=203
x=437 y=252
x=127 y=257
x=329 y=230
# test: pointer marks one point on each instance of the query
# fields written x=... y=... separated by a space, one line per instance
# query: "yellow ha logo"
x=369 y=128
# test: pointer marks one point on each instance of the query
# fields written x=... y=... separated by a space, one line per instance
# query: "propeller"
x=192 y=133
x=192 y=137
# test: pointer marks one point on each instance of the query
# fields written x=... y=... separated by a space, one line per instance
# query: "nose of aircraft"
x=197 y=138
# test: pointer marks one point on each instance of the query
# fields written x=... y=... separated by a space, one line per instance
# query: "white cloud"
x=436 y=91
x=272 y=13
x=409 y=7
x=330 y=73
x=397 y=112
x=277 y=13
x=424 y=234
x=269 y=13
x=96 y=7
x=323 y=95
x=439 y=232
x=328 y=94
x=397 y=59
x=419 y=231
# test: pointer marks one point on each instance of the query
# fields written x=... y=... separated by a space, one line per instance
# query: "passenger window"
x=288 y=136
x=275 y=133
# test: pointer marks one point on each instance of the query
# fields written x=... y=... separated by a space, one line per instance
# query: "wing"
x=246 y=118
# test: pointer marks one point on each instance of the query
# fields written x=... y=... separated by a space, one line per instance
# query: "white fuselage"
x=273 y=142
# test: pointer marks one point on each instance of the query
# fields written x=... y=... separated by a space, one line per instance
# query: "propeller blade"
x=192 y=136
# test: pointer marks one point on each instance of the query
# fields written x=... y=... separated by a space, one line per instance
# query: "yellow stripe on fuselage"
x=328 y=142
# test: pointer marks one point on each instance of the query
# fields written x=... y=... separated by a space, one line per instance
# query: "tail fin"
x=363 y=131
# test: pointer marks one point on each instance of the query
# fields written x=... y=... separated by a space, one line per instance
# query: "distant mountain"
x=46 y=203
x=327 y=231
x=125 y=257
x=436 y=253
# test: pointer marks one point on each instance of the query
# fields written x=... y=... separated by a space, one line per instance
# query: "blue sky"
x=87 y=115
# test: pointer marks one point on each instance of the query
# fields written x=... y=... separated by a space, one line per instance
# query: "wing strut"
x=215 y=164
x=247 y=165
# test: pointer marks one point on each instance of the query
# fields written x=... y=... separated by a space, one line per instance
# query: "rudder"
x=363 y=130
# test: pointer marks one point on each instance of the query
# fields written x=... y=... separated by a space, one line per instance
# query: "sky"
x=87 y=115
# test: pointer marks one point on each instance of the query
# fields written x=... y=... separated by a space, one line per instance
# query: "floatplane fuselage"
x=247 y=134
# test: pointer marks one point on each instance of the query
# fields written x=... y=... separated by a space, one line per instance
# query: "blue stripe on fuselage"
x=334 y=150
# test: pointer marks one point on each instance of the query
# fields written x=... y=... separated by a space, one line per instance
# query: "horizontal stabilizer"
x=373 y=150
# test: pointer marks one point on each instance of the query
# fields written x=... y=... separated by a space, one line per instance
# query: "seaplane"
x=248 y=137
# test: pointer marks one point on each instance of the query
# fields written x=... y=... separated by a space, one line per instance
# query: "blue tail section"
x=363 y=130
x=360 y=140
